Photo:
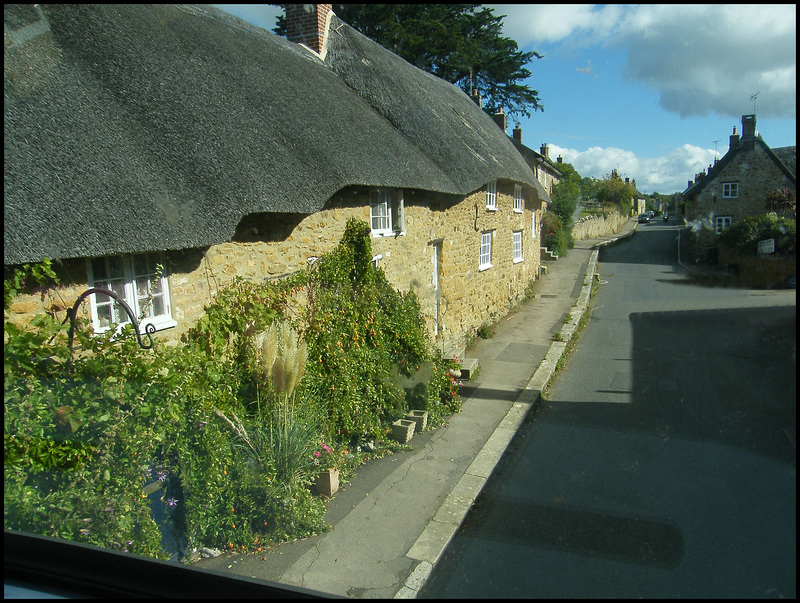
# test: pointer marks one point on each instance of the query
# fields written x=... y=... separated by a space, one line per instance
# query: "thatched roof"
x=140 y=128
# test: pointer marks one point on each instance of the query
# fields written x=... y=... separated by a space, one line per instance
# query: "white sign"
x=766 y=246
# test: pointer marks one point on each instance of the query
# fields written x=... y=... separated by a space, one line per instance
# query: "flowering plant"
x=324 y=457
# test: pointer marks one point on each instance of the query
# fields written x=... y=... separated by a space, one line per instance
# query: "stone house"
x=543 y=167
x=736 y=186
x=160 y=151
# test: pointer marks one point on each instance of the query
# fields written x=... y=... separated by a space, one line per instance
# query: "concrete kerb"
x=440 y=530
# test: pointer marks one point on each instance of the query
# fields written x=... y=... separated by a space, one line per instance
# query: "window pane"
x=115 y=267
x=140 y=264
x=379 y=208
x=99 y=269
x=104 y=314
x=158 y=306
x=118 y=287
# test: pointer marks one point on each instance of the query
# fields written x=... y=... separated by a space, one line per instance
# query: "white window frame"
x=386 y=213
x=518 y=203
x=730 y=190
x=491 y=195
x=721 y=223
x=485 y=259
x=122 y=279
x=533 y=224
x=516 y=241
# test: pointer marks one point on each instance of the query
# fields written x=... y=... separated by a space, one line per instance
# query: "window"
x=722 y=222
x=491 y=195
x=516 y=238
x=136 y=279
x=486 y=251
x=730 y=190
x=517 y=198
x=533 y=224
x=542 y=177
x=386 y=212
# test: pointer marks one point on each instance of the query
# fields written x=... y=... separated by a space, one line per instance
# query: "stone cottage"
x=736 y=186
x=159 y=151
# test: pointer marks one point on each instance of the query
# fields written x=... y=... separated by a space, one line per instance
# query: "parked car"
x=644 y=218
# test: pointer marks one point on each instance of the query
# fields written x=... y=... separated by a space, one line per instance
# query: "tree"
x=612 y=190
x=781 y=201
x=460 y=43
x=565 y=195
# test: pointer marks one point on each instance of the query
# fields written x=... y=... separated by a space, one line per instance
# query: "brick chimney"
x=748 y=127
x=544 y=150
x=734 y=140
x=748 y=131
x=308 y=24
x=517 y=134
x=560 y=159
x=500 y=119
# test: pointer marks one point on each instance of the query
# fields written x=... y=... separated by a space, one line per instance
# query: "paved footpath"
x=395 y=517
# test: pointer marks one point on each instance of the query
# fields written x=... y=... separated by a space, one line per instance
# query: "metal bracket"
x=72 y=313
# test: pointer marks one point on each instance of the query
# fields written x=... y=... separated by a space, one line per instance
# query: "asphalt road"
x=662 y=462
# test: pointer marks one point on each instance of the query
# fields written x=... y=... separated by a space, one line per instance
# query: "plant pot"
x=327 y=482
x=403 y=430
x=420 y=417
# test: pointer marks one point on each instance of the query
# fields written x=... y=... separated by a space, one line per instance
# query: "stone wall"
x=597 y=226
x=760 y=272
x=271 y=246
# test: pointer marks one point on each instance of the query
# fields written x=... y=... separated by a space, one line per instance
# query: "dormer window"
x=386 y=212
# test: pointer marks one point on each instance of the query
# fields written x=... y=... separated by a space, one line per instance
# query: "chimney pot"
x=544 y=150
x=476 y=97
x=517 y=133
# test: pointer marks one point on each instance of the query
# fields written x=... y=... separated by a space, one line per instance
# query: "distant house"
x=639 y=205
x=736 y=186
x=181 y=136
x=546 y=171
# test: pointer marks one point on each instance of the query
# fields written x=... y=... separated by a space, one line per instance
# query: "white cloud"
x=532 y=24
x=666 y=174
x=712 y=58
x=699 y=58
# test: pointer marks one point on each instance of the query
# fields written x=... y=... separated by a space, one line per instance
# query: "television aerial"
x=754 y=98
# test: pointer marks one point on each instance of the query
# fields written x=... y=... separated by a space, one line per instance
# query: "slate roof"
x=140 y=128
x=784 y=158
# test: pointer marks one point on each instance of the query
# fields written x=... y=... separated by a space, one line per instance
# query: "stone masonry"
x=270 y=246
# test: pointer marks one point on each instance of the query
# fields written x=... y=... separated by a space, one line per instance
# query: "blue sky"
x=647 y=89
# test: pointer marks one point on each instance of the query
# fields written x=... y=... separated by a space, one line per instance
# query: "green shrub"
x=743 y=236
x=84 y=433
x=556 y=236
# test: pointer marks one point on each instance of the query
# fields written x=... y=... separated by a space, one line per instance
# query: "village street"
x=662 y=462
